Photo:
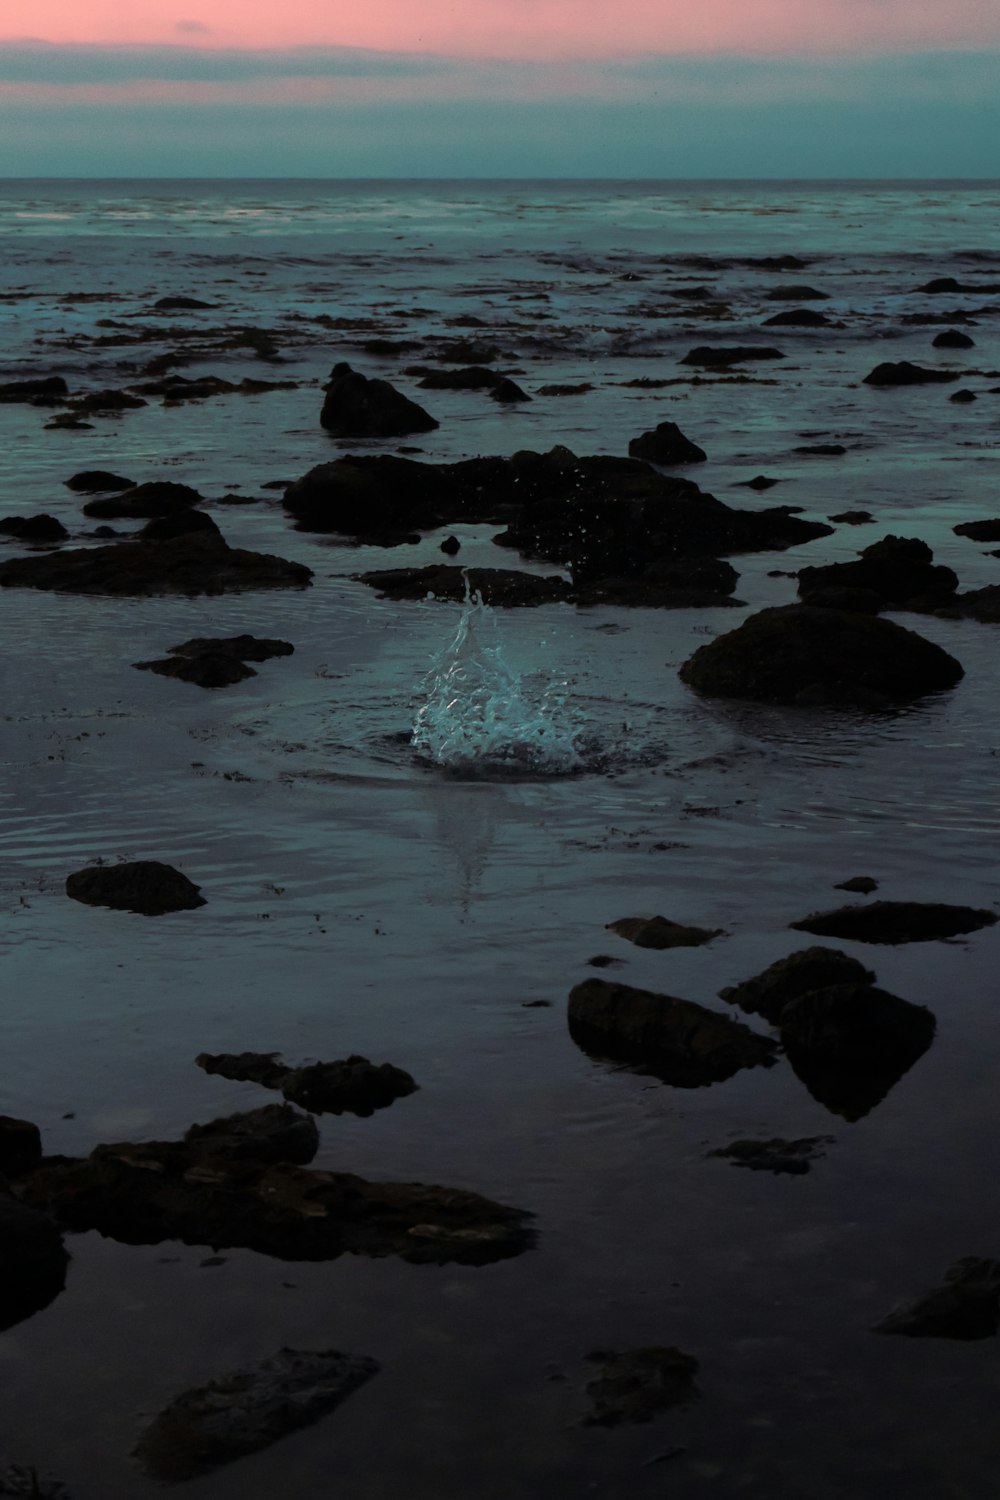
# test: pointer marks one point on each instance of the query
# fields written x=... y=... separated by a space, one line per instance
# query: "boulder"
x=798 y=317
x=143 y=885
x=93 y=481
x=351 y=1085
x=966 y=1307
x=730 y=354
x=666 y=444
x=894 y=922
x=900 y=570
x=681 y=1042
x=979 y=531
x=248 y=1410
x=33 y=1260
x=380 y=496
x=20 y=1146
x=356 y=407
x=905 y=373
x=767 y=993
x=806 y=656
x=635 y=1385
x=47 y=390
x=952 y=338
x=40 y=528
x=160 y=497
x=181 y=523
x=201 y=563
x=659 y=932
x=508 y=393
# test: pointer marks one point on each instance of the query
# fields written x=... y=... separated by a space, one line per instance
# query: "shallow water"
x=360 y=899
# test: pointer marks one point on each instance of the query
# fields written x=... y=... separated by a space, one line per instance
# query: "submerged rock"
x=349 y=1085
x=660 y=932
x=683 y=1043
x=783 y=1158
x=248 y=1410
x=33 y=1260
x=905 y=373
x=356 y=407
x=666 y=444
x=862 y=885
x=194 y=564
x=143 y=885
x=469 y=378
x=795 y=293
x=966 y=1307
x=895 y=922
x=767 y=993
x=635 y=1385
x=175 y=304
x=797 y=654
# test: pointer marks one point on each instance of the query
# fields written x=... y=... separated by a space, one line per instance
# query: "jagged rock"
x=953 y=339
x=92 y=481
x=350 y=1085
x=895 y=922
x=143 y=885
x=33 y=1261
x=207 y=669
x=801 y=655
x=666 y=444
x=731 y=354
x=40 y=528
x=900 y=570
x=905 y=373
x=201 y=563
x=160 y=497
x=635 y=1385
x=248 y=1410
x=683 y=1043
x=783 y=1158
x=659 y=932
x=355 y=406
x=767 y=993
x=20 y=1146
x=46 y=390
x=966 y=1307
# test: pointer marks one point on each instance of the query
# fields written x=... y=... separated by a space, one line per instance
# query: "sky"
x=500 y=88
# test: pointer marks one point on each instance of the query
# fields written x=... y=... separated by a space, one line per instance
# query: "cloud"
x=193 y=28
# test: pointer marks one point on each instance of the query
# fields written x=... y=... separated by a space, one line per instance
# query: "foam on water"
x=482 y=717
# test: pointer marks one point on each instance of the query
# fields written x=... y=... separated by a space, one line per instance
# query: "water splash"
x=481 y=717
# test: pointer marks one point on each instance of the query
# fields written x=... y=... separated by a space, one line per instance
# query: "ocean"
x=436 y=916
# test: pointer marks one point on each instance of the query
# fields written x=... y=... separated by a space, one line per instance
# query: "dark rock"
x=760 y=482
x=852 y=517
x=901 y=570
x=851 y=1043
x=497 y=586
x=565 y=390
x=895 y=922
x=356 y=407
x=659 y=932
x=274 y=1133
x=798 y=317
x=181 y=523
x=240 y=647
x=769 y=992
x=966 y=1307
x=107 y=401
x=905 y=373
x=681 y=1042
x=248 y=1410
x=979 y=531
x=143 y=885
x=978 y=604
x=508 y=392
x=47 y=388
x=800 y=655
x=467 y=352
x=178 y=304
x=160 y=497
x=373 y=495
x=666 y=444
x=941 y=284
x=20 y=1146
x=205 y=669
x=188 y=565
x=93 y=481
x=953 y=339
x=783 y=1158
x=822 y=450
x=471 y=378
x=636 y=1385
x=351 y=1085
x=731 y=354
x=450 y=546
x=861 y=885
x=40 y=528
x=963 y=396
x=785 y=262
x=32 y=1261
x=795 y=294
x=855 y=601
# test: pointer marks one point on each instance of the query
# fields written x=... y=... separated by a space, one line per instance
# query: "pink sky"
x=523 y=28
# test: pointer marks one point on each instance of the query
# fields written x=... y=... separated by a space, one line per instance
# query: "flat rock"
x=807 y=656
x=356 y=407
x=635 y=1385
x=783 y=1158
x=201 y=563
x=905 y=373
x=469 y=378
x=795 y=293
x=730 y=354
x=178 y=304
x=894 y=922
x=767 y=993
x=659 y=932
x=349 y=1085
x=666 y=444
x=682 y=1042
x=143 y=885
x=240 y=647
x=966 y=1307
x=497 y=586
x=248 y=1410
x=980 y=531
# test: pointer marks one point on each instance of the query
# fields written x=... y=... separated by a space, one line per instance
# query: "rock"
x=20 y=1146
x=851 y=1043
x=658 y=932
x=901 y=570
x=497 y=586
x=205 y=669
x=769 y=992
x=45 y=391
x=160 y=497
x=271 y=1134
x=963 y=396
x=248 y=1410
x=450 y=546
x=979 y=531
x=181 y=523
x=467 y=352
x=40 y=528
x=855 y=601
x=822 y=450
x=852 y=517
x=565 y=390
x=953 y=339
x=966 y=1307
x=800 y=655
x=905 y=373
x=666 y=444
x=32 y=1261
x=92 y=481
x=178 y=304
x=941 y=284
x=863 y=885
x=636 y=1385
x=683 y=1043
x=239 y=647
x=798 y=317
x=760 y=482
x=107 y=401
x=730 y=354
x=508 y=392
x=471 y=378
x=143 y=885
x=193 y=564
x=894 y=922
x=351 y=1085
x=379 y=496
x=795 y=293
x=783 y=1158
x=978 y=604
x=356 y=407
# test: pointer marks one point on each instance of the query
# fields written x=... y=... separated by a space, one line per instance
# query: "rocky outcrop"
x=980 y=531
x=635 y=1385
x=966 y=1307
x=894 y=922
x=900 y=570
x=201 y=563
x=666 y=444
x=356 y=407
x=181 y=523
x=144 y=885
x=767 y=993
x=805 y=656
x=350 y=1085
